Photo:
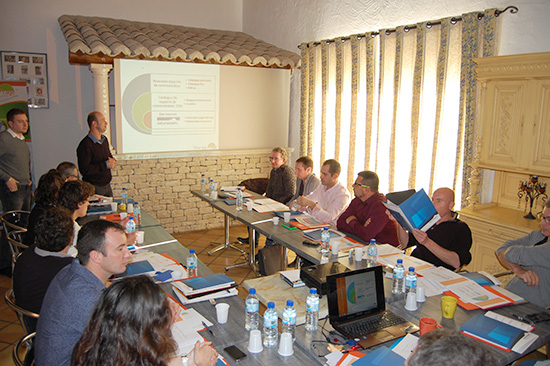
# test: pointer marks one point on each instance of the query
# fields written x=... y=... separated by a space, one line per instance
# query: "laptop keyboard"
x=371 y=324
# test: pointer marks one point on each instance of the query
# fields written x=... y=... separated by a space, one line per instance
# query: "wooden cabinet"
x=491 y=227
x=514 y=142
x=515 y=113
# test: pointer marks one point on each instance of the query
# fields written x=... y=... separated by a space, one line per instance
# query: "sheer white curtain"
x=396 y=102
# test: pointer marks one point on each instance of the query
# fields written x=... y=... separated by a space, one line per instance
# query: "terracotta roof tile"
x=95 y=36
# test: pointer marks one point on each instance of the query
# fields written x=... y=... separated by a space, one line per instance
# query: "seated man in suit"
x=72 y=294
x=448 y=242
x=529 y=258
x=307 y=181
x=37 y=266
x=366 y=215
x=330 y=199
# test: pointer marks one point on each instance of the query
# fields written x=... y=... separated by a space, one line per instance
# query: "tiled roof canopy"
x=100 y=40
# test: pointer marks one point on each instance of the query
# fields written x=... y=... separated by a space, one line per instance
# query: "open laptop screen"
x=354 y=294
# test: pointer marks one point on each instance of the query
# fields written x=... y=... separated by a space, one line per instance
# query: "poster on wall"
x=31 y=68
x=13 y=94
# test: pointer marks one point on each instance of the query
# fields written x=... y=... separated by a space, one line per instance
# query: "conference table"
x=231 y=333
x=308 y=342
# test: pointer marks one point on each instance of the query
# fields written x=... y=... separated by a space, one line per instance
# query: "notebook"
x=356 y=299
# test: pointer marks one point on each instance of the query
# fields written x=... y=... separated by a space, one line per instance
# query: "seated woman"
x=130 y=325
x=45 y=197
x=75 y=196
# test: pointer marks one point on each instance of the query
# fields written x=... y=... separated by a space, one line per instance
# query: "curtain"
x=399 y=102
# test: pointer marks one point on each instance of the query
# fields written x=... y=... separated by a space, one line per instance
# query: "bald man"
x=448 y=242
x=95 y=160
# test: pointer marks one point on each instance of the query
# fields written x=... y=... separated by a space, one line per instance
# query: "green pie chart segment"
x=141 y=113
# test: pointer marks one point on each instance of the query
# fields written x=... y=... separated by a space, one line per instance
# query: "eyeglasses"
x=546 y=219
x=272 y=158
x=360 y=185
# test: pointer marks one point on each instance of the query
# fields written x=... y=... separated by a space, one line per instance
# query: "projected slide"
x=167 y=106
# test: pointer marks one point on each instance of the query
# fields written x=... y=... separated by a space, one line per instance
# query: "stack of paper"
x=268 y=205
x=292 y=277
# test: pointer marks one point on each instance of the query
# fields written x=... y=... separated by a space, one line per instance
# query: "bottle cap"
x=289 y=303
x=373 y=241
x=400 y=261
x=312 y=290
x=326 y=228
x=252 y=291
x=271 y=305
x=411 y=269
x=123 y=189
x=136 y=203
x=191 y=251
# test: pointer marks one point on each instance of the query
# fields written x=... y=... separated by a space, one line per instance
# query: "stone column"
x=100 y=74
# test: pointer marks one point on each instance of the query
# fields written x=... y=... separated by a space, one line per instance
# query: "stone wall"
x=162 y=186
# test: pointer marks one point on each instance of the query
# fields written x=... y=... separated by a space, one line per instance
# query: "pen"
x=208 y=328
x=288 y=227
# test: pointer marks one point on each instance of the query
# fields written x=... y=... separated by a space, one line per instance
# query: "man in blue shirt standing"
x=72 y=294
x=95 y=160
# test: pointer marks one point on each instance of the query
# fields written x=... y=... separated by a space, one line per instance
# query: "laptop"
x=357 y=308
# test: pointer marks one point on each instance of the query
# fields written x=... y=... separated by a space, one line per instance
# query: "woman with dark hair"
x=75 y=196
x=130 y=325
x=45 y=197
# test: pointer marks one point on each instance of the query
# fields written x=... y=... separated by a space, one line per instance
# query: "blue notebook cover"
x=492 y=331
x=382 y=356
x=135 y=268
x=216 y=279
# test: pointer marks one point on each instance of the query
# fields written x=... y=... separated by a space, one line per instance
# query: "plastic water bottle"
x=239 y=199
x=289 y=319
x=410 y=281
x=137 y=213
x=271 y=332
x=398 y=276
x=203 y=185
x=211 y=187
x=372 y=253
x=325 y=240
x=312 y=310
x=130 y=225
x=124 y=196
x=192 y=264
x=252 y=315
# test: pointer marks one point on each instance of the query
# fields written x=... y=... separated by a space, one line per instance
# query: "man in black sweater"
x=95 y=160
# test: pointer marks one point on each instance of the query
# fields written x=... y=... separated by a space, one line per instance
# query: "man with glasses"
x=69 y=170
x=282 y=180
x=529 y=258
x=366 y=215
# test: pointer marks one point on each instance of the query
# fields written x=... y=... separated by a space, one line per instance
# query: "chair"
x=21 y=313
x=24 y=342
x=15 y=240
x=256 y=185
x=15 y=220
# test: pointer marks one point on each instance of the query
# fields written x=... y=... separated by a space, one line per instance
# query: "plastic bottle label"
x=252 y=307
x=312 y=306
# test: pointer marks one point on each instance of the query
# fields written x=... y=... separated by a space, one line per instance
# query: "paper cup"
x=411 y=302
x=420 y=294
x=359 y=254
x=255 y=342
x=285 y=345
x=123 y=215
x=140 y=237
x=286 y=215
x=222 y=311
x=335 y=246
x=250 y=205
x=114 y=206
x=276 y=220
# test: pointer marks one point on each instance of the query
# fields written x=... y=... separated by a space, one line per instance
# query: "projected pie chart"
x=136 y=104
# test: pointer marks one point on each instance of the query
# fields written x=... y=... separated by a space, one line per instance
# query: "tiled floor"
x=10 y=330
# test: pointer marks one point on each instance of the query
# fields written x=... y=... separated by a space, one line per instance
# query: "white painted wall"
x=31 y=26
x=287 y=23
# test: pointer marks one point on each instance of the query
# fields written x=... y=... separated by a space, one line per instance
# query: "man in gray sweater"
x=529 y=258
x=15 y=175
